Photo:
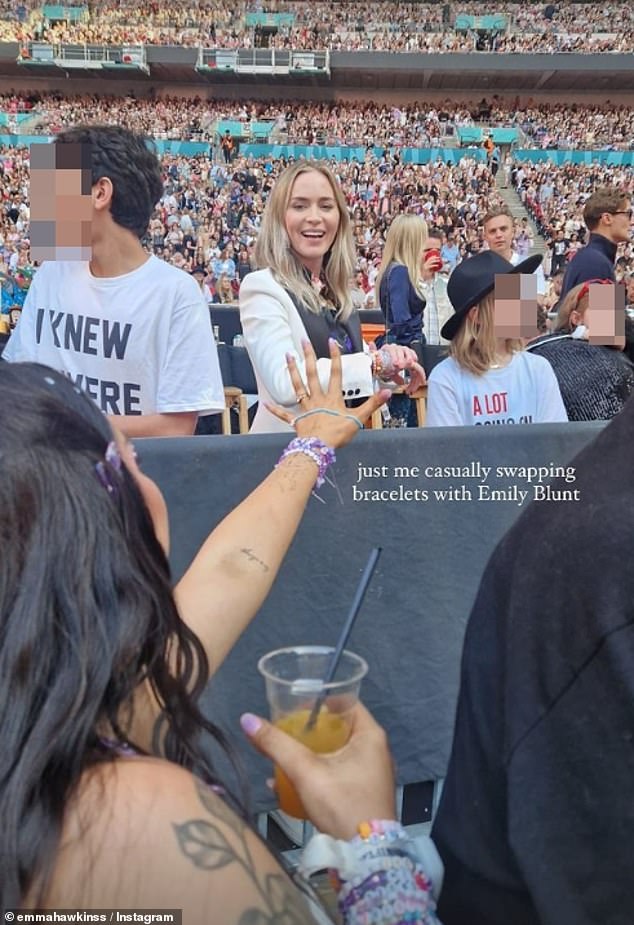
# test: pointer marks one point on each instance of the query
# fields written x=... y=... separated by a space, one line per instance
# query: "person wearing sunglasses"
x=595 y=380
x=608 y=217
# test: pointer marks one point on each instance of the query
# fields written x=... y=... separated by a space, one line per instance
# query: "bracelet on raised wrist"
x=321 y=454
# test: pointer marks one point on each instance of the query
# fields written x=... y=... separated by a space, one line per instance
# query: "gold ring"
x=301 y=397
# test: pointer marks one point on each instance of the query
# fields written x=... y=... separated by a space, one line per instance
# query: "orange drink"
x=330 y=733
x=294 y=684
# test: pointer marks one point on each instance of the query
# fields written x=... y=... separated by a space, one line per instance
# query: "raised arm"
x=233 y=572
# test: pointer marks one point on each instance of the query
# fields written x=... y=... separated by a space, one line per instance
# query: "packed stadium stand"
x=394 y=150
x=388 y=26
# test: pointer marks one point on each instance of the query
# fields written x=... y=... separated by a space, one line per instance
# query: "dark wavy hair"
x=125 y=158
x=86 y=616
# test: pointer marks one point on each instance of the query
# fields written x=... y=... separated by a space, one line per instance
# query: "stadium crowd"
x=381 y=25
x=211 y=212
x=555 y=197
x=541 y=125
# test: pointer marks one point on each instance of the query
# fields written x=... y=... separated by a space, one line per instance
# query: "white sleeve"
x=442 y=401
x=22 y=346
x=190 y=379
x=268 y=337
x=551 y=404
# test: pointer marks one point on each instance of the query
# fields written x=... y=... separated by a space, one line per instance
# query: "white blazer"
x=272 y=327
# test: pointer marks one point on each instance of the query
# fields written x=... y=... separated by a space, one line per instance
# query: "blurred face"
x=498 y=233
x=61 y=208
x=515 y=305
x=312 y=219
x=602 y=310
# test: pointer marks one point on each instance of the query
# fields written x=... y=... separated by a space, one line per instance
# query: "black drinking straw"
x=364 y=584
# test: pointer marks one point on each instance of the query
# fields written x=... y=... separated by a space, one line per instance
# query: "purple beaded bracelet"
x=317 y=450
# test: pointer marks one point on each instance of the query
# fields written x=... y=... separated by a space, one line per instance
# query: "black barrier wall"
x=428 y=498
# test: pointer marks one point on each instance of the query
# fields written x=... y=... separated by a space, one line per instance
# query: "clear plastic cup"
x=294 y=681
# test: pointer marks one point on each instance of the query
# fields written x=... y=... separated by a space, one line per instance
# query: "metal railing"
x=85 y=55
x=264 y=61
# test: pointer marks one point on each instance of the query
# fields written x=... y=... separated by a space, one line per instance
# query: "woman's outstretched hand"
x=322 y=413
x=340 y=790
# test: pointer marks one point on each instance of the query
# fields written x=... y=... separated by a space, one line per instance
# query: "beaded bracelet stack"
x=315 y=449
x=393 y=887
x=379 y=877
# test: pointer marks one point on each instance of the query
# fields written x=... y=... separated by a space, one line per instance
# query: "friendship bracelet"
x=379 y=831
x=321 y=454
x=397 y=893
x=393 y=877
x=381 y=847
x=331 y=412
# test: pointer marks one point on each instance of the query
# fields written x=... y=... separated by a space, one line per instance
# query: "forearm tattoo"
x=253 y=558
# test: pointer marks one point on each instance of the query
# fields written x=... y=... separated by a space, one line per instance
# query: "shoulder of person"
x=181 y=289
x=397 y=273
x=146 y=833
x=263 y=281
x=444 y=370
x=51 y=269
x=159 y=268
x=546 y=340
x=530 y=360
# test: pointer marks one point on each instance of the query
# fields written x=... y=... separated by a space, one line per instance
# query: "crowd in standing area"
x=211 y=212
x=555 y=197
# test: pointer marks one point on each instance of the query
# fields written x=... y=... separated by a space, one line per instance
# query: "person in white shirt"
x=434 y=279
x=488 y=378
x=129 y=329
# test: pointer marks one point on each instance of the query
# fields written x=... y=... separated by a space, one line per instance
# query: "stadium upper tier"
x=343 y=26
x=417 y=125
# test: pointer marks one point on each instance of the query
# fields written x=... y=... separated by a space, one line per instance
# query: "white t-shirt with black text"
x=140 y=343
x=522 y=392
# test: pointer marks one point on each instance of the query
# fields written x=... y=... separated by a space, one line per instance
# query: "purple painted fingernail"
x=290 y=358
x=250 y=723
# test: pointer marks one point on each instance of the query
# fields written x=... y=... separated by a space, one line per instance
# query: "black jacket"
x=594 y=381
x=536 y=817
x=594 y=261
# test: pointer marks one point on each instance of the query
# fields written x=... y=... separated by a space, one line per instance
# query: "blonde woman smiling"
x=303 y=291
